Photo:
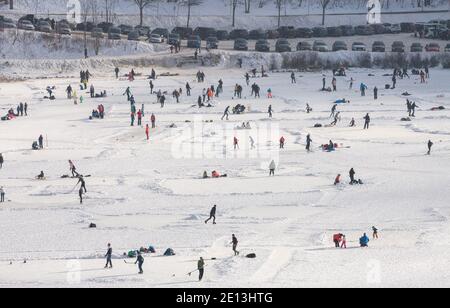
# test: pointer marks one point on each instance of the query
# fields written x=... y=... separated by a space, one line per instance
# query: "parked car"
x=272 y=34
x=339 y=46
x=97 y=33
x=320 y=32
x=433 y=47
x=447 y=48
x=239 y=34
x=359 y=46
x=134 y=35
x=212 y=42
x=257 y=34
x=395 y=29
x=26 y=25
x=222 y=35
x=174 y=39
x=44 y=26
x=364 y=30
x=262 y=45
x=283 y=45
x=161 y=32
x=8 y=23
x=30 y=17
x=378 y=46
x=156 y=38
x=85 y=26
x=114 y=33
x=304 y=33
x=194 y=41
x=304 y=46
x=287 y=32
x=143 y=30
x=125 y=29
x=241 y=44
x=347 y=30
x=334 y=31
x=63 y=27
x=407 y=27
x=378 y=28
x=320 y=46
x=398 y=46
x=183 y=32
x=416 y=47
x=106 y=26
x=205 y=32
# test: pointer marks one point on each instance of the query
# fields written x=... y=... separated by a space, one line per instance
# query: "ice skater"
x=212 y=215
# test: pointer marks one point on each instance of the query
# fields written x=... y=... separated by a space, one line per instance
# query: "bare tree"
x=324 y=4
x=142 y=4
x=189 y=4
x=279 y=4
x=234 y=5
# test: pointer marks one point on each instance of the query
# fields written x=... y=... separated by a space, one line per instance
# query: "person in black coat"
x=108 y=257
x=352 y=174
x=212 y=215
x=140 y=262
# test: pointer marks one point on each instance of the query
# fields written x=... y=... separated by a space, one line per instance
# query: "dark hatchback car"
x=162 y=32
x=339 y=46
x=287 y=32
x=398 y=46
x=257 y=35
x=205 y=32
x=304 y=33
x=212 y=42
x=183 y=32
x=334 y=31
x=347 y=30
x=364 y=30
x=283 y=45
x=272 y=34
x=239 y=33
x=320 y=32
x=304 y=46
x=378 y=46
x=223 y=35
x=241 y=44
x=262 y=45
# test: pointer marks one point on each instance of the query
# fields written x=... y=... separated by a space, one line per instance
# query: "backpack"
x=151 y=249
x=251 y=256
x=132 y=254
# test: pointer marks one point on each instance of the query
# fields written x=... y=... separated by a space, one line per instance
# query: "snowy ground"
x=149 y=193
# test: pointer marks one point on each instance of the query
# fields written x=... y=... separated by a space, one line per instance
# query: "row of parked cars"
x=30 y=23
x=283 y=45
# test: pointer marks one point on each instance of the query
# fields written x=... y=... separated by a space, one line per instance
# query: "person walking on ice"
x=367 y=121
x=270 y=111
x=2 y=160
x=235 y=243
x=226 y=113
x=147 y=131
x=293 y=80
x=430 y=145
x=2 y=194
x=140 y=262
x=201 y=268
x=272 y=168
x=83 y=183
x=80 y=194
x=212 y=215
x=73 y=169
x=308 y=143
x=108 y=257
x=375 y=233
x=236 y=143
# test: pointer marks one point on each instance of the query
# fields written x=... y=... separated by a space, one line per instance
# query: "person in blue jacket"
x=364 y=241
x=363 y=89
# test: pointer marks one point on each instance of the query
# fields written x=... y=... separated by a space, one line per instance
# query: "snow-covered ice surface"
x=150 y=193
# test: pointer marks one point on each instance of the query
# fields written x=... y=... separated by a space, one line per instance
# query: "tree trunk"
x=279 y=15
x=189 y=14
x=11 y=4
x=323 y=16
x=141 y=16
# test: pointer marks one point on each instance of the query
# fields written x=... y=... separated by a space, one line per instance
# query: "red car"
x=433 y=47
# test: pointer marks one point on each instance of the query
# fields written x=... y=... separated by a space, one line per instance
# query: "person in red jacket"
x=282 y=142
x=337 y=238
x=153 y=120
x=147 y=131
x=139 y=115
x=338 y=180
